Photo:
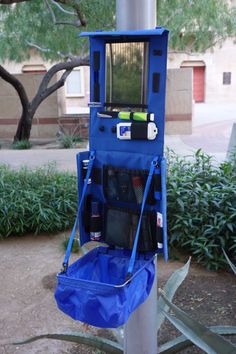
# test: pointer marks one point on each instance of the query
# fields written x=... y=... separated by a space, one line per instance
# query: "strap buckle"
x=155 y=162
x=64 y=267
x=92 y=155
x=128 y=277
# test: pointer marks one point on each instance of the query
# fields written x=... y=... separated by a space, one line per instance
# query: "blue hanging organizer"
x=121 y=180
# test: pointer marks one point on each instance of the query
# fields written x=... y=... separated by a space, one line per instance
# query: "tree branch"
x=72 y=3
x=50 y=11
x=76 y=7
x=48 y=91
x=76 y=23
x=62 y=9
x=41 y=49
x=44 y=91
x=9 y=2
x=47 y=50
x=5 y=75
x=220 y=39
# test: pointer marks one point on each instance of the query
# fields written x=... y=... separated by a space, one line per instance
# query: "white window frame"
x=81 y=90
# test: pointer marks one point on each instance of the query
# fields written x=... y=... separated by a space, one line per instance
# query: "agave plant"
x=232 y=266
x=193 y=332
x=208 y=339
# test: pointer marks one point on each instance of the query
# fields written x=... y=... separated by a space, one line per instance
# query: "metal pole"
x=140 y=335
x=232 y=144
x=135 y=14
x=140 y=332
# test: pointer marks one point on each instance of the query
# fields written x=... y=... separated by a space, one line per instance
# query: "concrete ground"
x=65 y=158
x=212 y=125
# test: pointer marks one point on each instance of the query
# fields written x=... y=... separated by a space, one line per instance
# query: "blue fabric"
x=145 y=194
x=164 y=207
x=102 y=139
x=94 y=291
x=69 y=246
x=139 y=33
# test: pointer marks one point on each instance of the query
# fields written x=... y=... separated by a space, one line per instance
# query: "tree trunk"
x=44 y=91
x=24 y=125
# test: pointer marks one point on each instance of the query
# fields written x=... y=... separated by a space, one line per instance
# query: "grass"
x=21 y=145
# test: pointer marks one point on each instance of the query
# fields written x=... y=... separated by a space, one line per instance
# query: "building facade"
x=214 y=72
x=192 y=79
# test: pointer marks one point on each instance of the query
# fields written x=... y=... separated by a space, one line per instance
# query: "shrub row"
x=202 y=208
x=43 y=200
x=201 y=205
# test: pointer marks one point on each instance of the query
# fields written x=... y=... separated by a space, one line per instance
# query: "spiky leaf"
x=102 y=344
x=232 y=266
x=200 y=335
x=170 y=288
x=180 y=343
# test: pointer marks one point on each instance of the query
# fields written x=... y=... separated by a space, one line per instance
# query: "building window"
x=227 y=78
x=75 y=83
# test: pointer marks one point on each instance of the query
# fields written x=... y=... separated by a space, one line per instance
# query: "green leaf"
x=229 y=261
x=180 y=343
x=103 y=344
x=181 y=203
x=198 y=152
x=200 y=335
x=27 y=203
x=170 y=288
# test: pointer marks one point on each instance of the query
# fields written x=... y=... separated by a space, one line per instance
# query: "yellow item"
x=124 y=115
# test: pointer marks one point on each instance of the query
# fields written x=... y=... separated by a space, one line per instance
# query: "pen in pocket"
x=138 y=188
x=159 y=231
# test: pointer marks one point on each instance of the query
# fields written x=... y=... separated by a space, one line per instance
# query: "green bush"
x=21 y=145
x=75 y=245
x=201 y=205
x=77 y=139
x=43 y=200
x=202 y=208
x=67 y=142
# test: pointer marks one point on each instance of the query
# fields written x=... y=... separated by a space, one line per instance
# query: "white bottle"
x=124 y=131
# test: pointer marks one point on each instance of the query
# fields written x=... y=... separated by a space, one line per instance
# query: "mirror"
x=126 y=74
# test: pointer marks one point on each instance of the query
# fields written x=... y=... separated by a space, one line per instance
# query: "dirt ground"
x=27 y=307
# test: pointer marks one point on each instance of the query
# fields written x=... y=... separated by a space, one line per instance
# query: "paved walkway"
x=212 y=125
x=65 y=158
x=213 y=138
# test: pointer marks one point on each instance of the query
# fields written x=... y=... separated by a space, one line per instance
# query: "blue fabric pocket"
x=94 y=289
